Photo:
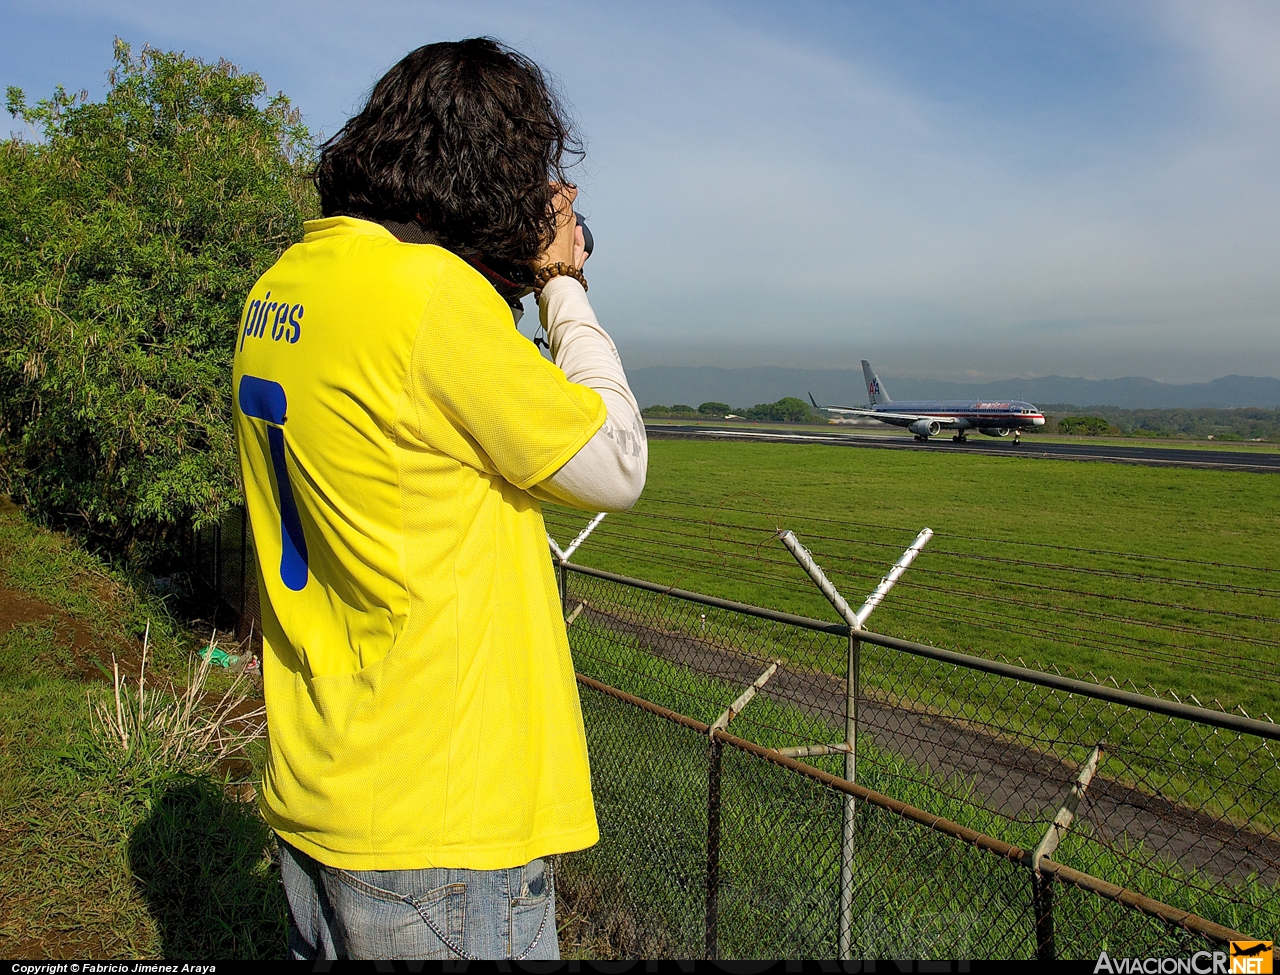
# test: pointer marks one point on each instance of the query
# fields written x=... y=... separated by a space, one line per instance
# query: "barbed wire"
x=935 y=551
x=704 y=527
x=982 y=620
x=878 y=567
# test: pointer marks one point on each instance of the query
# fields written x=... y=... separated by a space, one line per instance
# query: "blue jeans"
x=431 y=913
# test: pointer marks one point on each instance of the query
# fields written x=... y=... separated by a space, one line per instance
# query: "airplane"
x=928 y=418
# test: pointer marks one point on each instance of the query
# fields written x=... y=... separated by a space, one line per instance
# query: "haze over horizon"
x=962 y=192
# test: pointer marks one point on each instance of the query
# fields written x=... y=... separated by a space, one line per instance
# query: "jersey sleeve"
x=484 y=395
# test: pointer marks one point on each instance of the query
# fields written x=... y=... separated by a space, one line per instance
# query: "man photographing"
x=396 y=434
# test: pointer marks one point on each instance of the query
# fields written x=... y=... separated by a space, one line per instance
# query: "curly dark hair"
x=462 y=137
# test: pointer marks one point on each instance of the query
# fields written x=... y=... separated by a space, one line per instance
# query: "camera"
x=588 y=243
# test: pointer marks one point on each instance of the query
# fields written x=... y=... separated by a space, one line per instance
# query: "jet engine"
x=925 y=428
x=994 y=431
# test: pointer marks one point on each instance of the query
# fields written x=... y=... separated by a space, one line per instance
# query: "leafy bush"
x=680 y=409
x=130 y=231
x=1091 y=426
x=789 y=409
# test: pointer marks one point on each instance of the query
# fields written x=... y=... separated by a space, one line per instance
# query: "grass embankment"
x=107 y=852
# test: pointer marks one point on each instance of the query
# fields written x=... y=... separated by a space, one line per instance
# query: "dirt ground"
x=17 y=609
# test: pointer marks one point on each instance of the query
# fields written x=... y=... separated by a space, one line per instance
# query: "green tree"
x=714 y=409
x=131 y=230
x=1091 y=426
x=789 y=409
x=792 y=409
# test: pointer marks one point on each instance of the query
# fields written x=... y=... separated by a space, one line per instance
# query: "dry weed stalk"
x=185 y=730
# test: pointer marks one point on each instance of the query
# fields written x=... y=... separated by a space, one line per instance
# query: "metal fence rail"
x=754 y=873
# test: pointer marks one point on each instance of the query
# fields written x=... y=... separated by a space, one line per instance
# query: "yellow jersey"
x=421 y=703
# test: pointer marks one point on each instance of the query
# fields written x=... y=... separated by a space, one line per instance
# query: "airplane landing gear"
x=1017 y=438
x=960 y=438
x=920 y=439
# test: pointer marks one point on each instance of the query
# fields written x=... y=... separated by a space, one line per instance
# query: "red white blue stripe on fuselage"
x=959 y=414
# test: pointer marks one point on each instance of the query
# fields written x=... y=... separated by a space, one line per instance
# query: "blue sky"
x=954 y=189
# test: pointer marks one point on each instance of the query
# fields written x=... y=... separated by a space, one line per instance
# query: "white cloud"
x=760 y=192
x=1234 y=44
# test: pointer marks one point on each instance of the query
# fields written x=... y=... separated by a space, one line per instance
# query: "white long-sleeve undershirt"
x=608 y=473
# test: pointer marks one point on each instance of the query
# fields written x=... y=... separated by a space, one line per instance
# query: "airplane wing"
x=882 y=414
x=861 y=411
x=885 y=414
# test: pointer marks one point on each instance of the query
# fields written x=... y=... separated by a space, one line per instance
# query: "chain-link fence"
x=223 y=566
x=768 y=838
x=730 y=848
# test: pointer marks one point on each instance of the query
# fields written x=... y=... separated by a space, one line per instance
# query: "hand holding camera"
x=570 y=247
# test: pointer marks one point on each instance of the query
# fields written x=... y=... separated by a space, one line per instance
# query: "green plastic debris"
x=219 y=658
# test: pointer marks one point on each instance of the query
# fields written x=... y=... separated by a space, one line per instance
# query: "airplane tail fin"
x=875 y=388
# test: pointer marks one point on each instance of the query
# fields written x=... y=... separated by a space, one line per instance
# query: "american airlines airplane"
x=928 y=418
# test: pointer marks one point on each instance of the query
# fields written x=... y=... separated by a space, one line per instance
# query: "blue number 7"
x=265 y=400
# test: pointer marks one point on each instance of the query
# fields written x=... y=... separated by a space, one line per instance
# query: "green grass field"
x=1168 y=579
x=1165 y=579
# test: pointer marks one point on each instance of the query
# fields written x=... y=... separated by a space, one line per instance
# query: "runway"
x=1218 y=460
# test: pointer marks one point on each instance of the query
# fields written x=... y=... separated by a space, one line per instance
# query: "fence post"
x=244 y=560
x=1042 y=886
x=852 y=693
x=562 y=556
x=1042 y=899
x=847 y=831
x=217 y=560
x=714 y=754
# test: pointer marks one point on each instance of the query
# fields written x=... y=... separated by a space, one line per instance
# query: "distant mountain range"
x=692 y=385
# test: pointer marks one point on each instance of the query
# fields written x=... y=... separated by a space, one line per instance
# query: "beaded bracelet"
x=545 y=274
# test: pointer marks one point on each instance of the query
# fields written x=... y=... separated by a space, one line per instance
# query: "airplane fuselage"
x=962 y=414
